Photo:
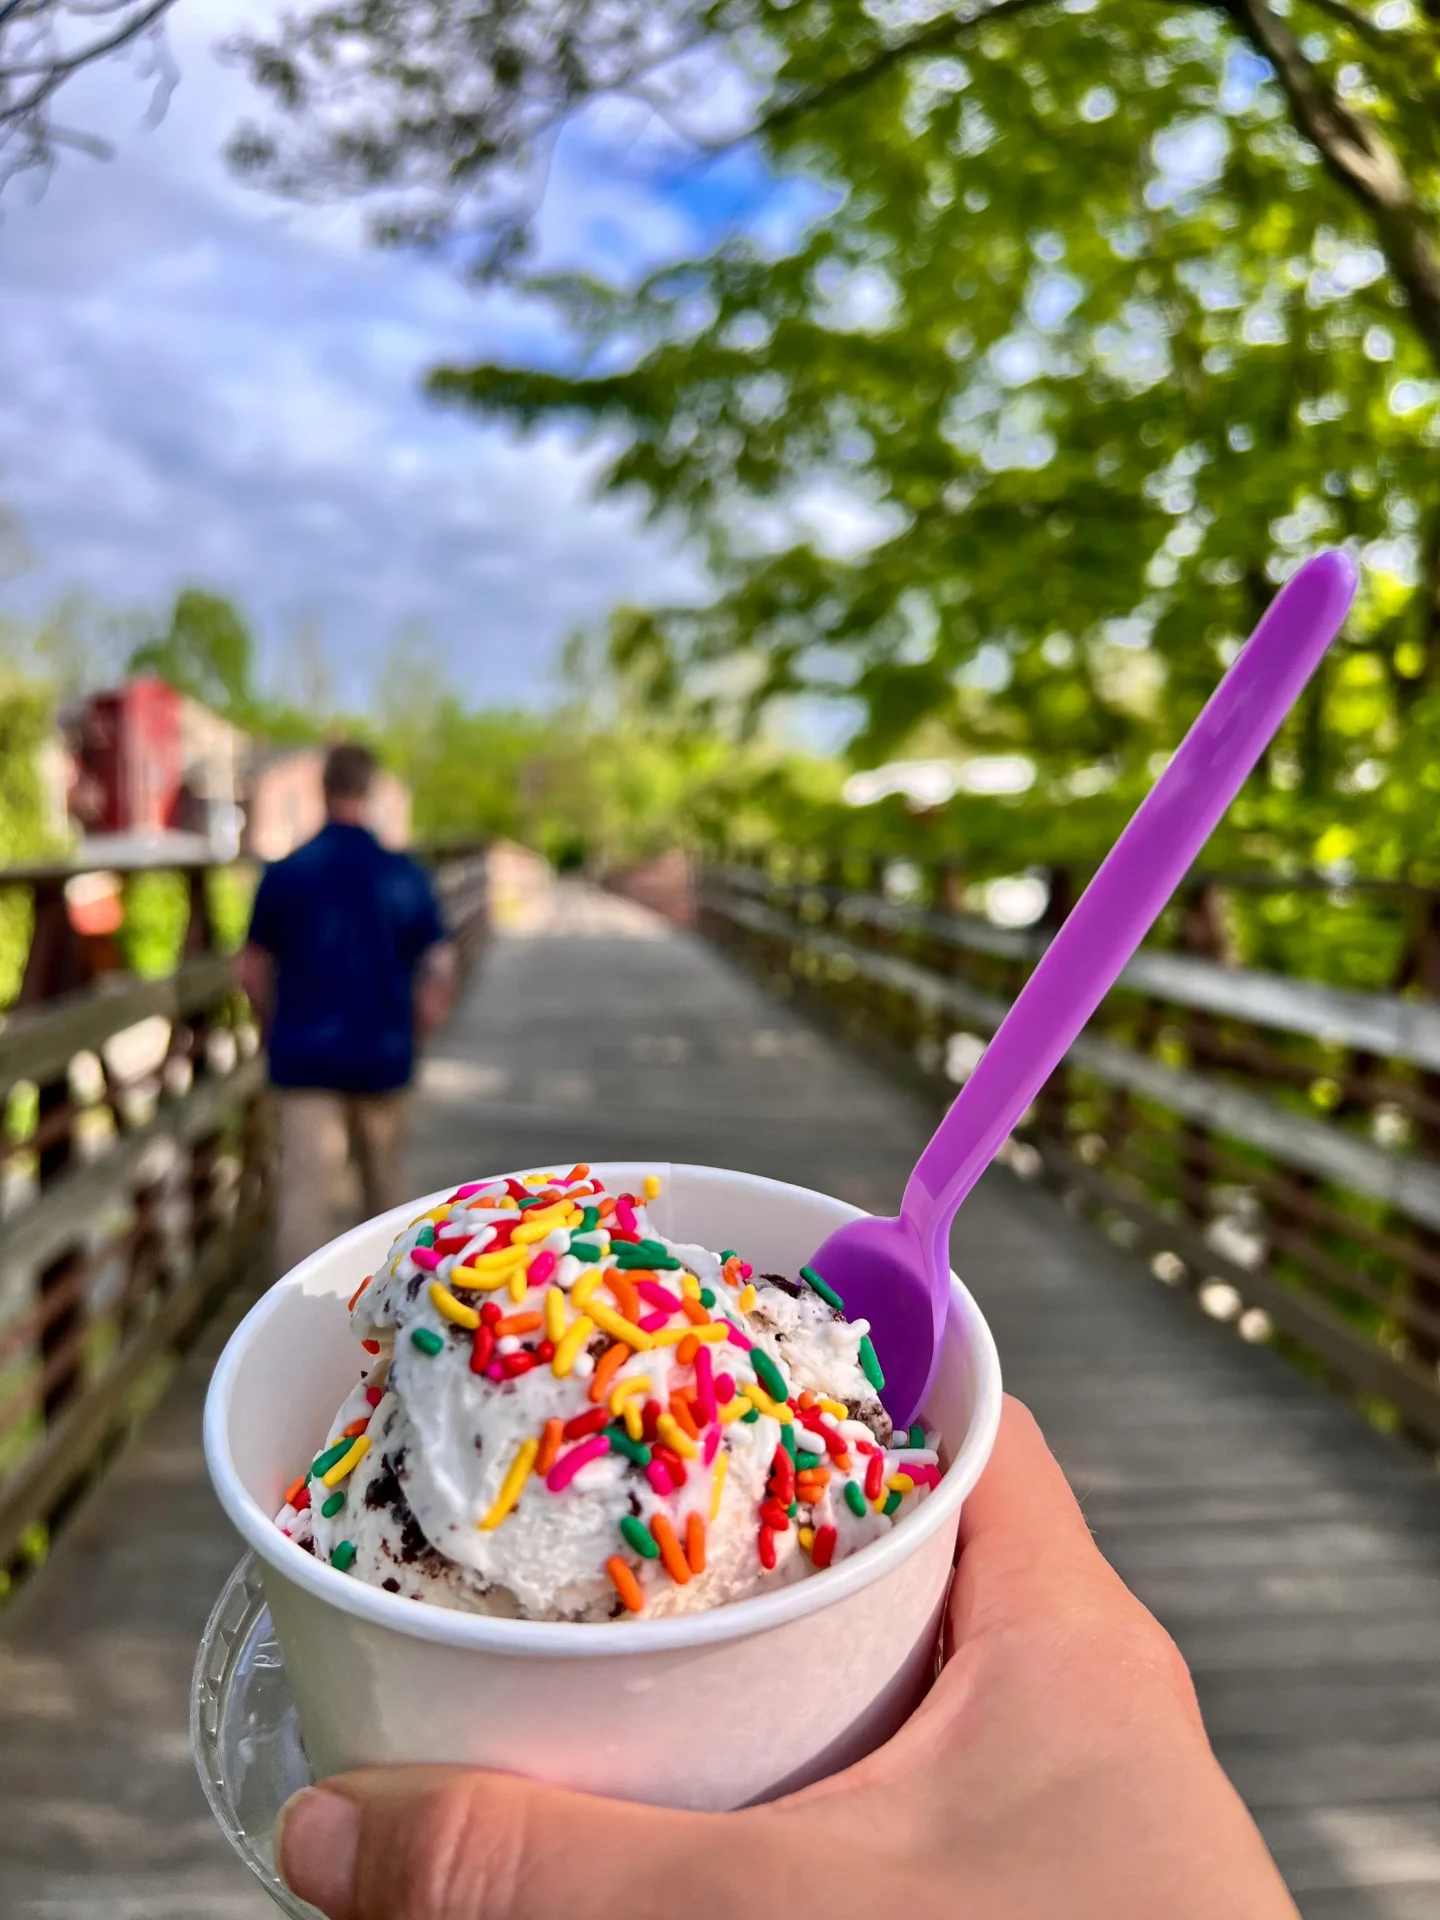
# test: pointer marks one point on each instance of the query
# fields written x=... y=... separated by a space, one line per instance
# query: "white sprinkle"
x=568 y=1272
x=508 y=1343
x=584 y=1366
x=917 y=1456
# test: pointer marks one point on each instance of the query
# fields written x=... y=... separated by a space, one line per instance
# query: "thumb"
x=453 y=1843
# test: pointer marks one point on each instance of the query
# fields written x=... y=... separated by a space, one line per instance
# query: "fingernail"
x=316 y=1839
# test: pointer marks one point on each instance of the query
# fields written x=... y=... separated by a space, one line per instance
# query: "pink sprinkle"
x=704 y=1386
x=738 y=1339
x=569 y=1464
x=464 y=1193
x=653 y=1322
x=625 y=1214
x=712 y=1445
x=724 y=1389
x=657 y=1295
x=541 y=1268
x=659 y=1478
x=923 y=1476
x=747 y=1272
x=494 y=1371
x=374 y=1396
x=425 y=1257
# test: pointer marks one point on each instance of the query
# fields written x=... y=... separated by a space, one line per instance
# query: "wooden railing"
x=135 y=1164
x=1271 y=1141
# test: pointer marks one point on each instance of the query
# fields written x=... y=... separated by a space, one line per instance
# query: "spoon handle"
x=1121 y=903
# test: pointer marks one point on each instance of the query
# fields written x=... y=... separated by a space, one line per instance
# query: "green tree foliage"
x=207 y=651
x=1120 y=311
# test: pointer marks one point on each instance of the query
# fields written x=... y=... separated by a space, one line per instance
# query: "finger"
x=452 y=1843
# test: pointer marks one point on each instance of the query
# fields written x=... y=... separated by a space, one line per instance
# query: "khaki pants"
x=318 y=1133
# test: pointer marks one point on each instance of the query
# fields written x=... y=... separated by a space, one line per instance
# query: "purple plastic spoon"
x=896 y=1273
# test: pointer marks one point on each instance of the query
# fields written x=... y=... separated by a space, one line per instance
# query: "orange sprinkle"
x=371 y=1346
x=686 y=1351
x=358 y=1291
x=625 y=1583
x=676 y=1565
x=842 y=1461
x=695 y=1543
x=681 y=1410
x=357 y=1426
x=606 y=1368
x=730 y=1272
x=622 y=1289
x=518 y=1323
x=551 y=1437
x=694 y=1312
x=807 y=1399
x=607 y=1207
x=578 y=1172
x=295 y=1489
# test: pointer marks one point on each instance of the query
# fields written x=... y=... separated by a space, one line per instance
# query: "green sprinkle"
x=806 y=1462
x=917 y=1435
x=426 y=1236
x=639 y=1538
x=769 y=1375
x=343 y=1558
x=855 y=1499
x=651 y=1247
x=535 y=1201
x=749 y=1419
x=891 y=1504
x=793 y=1508
x=869 y=1365
x=707 y=1297
x=728 y=1254
x=426 y=1341
x=589 y=1217
x=787 y=1438
x=826 y=1293
x=620 y=1442
x=320 y=1467
x=647 y=1255
x=333 y=1505
x=585 y=1251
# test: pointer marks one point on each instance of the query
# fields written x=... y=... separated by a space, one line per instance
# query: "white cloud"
x=205 y=386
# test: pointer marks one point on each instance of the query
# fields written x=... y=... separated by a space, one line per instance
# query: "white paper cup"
x=710 y=1710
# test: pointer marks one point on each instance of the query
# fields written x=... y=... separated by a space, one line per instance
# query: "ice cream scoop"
x=895 y=1273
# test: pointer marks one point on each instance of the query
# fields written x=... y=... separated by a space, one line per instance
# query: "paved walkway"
x=1294 y=1553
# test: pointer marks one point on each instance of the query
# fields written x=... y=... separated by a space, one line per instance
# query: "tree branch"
x=1359 y=157
x=935 y=38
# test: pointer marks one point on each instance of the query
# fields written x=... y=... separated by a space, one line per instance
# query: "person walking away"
x=349 y=969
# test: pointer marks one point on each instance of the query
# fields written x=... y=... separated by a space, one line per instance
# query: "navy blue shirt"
x=346 y=921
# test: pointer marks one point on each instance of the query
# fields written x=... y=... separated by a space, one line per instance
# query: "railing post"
x=1422 y=971
x=1053 y=1101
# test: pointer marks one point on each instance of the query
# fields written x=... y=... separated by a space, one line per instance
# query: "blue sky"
x=204 y=386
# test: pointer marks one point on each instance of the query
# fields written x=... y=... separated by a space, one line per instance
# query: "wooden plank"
x=45 y=1474
x=56 y=1218
x=38 y=1043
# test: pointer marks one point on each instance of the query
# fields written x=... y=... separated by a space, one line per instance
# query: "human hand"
x=1058 y=1770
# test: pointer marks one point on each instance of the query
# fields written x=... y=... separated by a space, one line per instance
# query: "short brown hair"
x=349 y=771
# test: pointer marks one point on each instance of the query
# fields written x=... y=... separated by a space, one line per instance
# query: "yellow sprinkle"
x=709 y=1335
x=717 y=1483
x=445 y=1303
x=347 y=1462
x=554 y=1313
x=675 y=1436
x=619 y=1327
x=731 y=1411
x=538 y=1222
x=567 y=1350
x=622 y=1390
x=633 y=1416
x=652 y=1186
x=758 y=1397
x=519 y=1285
x=511 y=1485
x=806 y=1537
x=747 y=1296
x=689 y=1286
x=500 y=1257
x=583 y=1288
x=837 y=1407
x=537 y=1179
x=480 y=1282
x=900 y=1483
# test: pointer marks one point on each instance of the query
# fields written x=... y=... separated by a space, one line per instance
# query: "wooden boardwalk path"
x=1294 y=1553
